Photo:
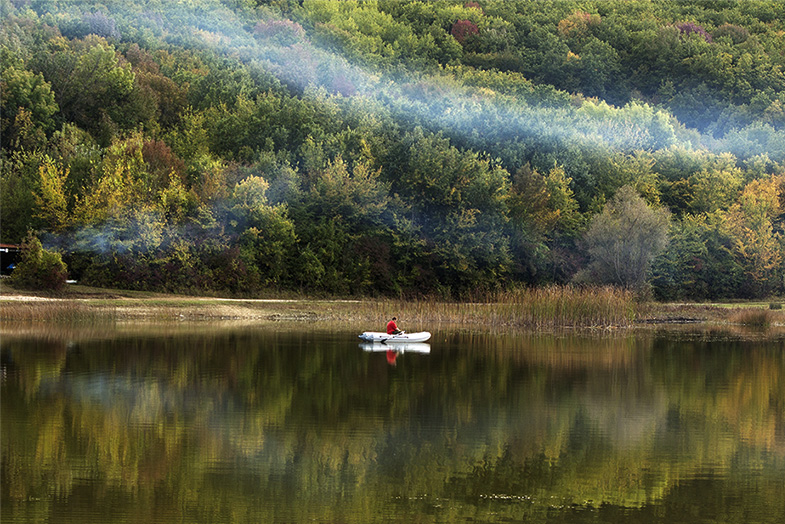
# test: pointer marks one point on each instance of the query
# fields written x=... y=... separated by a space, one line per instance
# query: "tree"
x=623 y=240
x=757 y=244
x=267 y=239
x=95 y=93
x=463 y=30
x=699 y=262
x=39 y=268
x=124 y=184
x=458 y=203
x=53 y=201
x=338 y=214
x=27 y=101
x=543 y=214
x=596 y=70
x=716 y=187
x=19 y=185
x=544 y=203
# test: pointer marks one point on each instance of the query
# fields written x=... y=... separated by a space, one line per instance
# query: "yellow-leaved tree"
x=750 y=221
x=52 y=200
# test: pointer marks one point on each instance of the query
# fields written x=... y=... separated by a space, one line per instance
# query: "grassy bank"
x=549 y=307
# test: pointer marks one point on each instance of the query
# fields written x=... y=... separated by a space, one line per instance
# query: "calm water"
x=272 y=424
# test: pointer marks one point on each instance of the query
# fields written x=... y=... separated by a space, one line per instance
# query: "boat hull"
x=377 y=336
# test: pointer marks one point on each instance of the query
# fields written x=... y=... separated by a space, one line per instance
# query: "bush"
x=39 y=269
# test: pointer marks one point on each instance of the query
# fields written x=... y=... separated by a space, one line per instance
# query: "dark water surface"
x=200 y=424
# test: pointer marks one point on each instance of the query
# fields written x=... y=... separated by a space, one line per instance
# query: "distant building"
x=9 y=257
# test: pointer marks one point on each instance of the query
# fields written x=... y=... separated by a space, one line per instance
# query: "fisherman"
x=392 y=327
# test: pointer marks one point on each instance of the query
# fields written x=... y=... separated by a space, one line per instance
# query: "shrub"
x=38 y=268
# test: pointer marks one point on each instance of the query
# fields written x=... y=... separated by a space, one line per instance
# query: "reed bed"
x=55 y=311
x=755 y=317
x=553 y=306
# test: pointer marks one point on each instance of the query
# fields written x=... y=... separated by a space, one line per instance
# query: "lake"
x=287 y=423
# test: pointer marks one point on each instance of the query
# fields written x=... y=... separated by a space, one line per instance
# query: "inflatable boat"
x=378 y=336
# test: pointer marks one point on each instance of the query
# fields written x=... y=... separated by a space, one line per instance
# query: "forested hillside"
x=398 y=147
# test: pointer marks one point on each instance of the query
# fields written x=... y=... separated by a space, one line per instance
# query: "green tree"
x=95 y=90
x=267 y=236
x=19 y=184
x=543 y=214
x=39 y=268
x=596 y=70
x=458 y=203
x=28 y=104
x=341 y=209
x=700 y=261
x=124 y=183
x=716 y=187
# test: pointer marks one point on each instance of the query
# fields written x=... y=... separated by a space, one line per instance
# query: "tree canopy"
x=392 y=146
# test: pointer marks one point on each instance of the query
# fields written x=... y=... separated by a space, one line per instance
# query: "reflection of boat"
x=378 y=336
x=414 y=347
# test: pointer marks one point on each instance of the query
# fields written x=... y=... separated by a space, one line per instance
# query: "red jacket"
x=391 y=326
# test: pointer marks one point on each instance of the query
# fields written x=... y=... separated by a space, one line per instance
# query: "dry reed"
x=553 y=306
x=55 y=311
x=755 y=317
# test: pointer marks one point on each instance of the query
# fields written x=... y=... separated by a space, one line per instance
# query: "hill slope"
x=388 y=147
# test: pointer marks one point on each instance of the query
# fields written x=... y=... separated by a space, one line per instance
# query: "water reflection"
x=410 y=347
x=243 y=424
x=393 y=351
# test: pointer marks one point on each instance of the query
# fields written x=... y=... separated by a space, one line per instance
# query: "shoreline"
x=82 y=303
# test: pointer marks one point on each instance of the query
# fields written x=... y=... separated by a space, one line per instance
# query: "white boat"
x=402 y=347
x=378 y=336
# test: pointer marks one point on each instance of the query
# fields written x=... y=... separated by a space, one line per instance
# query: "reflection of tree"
x=256 y=425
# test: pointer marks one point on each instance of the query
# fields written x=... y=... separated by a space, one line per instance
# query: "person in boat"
x=392 y=327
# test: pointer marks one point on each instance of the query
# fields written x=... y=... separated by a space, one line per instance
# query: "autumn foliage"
x=463 y=29
x=398 y=148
